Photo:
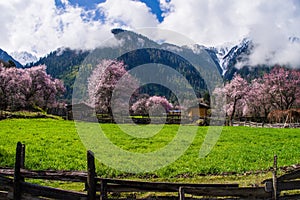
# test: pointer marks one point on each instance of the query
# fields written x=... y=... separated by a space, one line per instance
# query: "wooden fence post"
x=17 y=172
x=103 y=195
x=23 y=156
x=275 y=192
x=22 y=160
x=181 y=193
x=91 y=181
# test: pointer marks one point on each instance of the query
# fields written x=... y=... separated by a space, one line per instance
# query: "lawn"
x=55 y=144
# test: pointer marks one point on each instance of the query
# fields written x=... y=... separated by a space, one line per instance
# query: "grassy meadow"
x=55 y=144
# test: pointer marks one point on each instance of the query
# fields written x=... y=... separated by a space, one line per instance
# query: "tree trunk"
x=232 y=113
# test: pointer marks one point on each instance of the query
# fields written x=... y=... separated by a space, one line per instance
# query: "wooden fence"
x=99 y=188
x=266 y=125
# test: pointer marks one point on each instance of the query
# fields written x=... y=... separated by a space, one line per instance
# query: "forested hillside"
x=137 y=49
x=64 y=63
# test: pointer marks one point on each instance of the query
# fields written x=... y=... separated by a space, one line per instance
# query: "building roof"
x=200 y=105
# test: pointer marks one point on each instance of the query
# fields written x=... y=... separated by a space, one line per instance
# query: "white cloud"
x=213 y=22
x=128 y=13
x=40 y=27
x=206 y=22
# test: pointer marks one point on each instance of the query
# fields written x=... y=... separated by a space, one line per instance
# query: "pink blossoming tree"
x=277 y=90
x=28 y=88
x=235 y=92
x=155 y=105
x=283 y=87
x=102 y=84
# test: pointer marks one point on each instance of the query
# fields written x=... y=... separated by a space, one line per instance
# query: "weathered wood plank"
x=44 y=191
x=17 y=173
x=6 y=184
x=293 y=175
x=289 y=185
x=181 y=193
x=6 y=181
x=59 y=175
x=244 y=192
x=121 y=188
x=290 y=197
x=3 y=195
x=22 y=160
x=103 y=190
x=153 y=186
x=91 y=181
x=269 y=186
x=274 y=172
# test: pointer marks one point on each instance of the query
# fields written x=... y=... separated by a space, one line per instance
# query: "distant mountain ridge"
x=225 y=57
x=6 y=57
x=24 y=57
x=64 y=63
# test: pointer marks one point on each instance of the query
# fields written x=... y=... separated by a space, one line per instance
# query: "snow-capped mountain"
x=226 y=57
x=24 y=57
x=221 y=51
x=229 y=56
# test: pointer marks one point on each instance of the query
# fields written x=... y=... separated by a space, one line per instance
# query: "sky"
x=40 y=27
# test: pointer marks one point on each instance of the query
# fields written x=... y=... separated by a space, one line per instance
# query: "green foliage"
x=8 y=64
x=11 y=63
x=180 y=64
x=247 y=72
x=26 y=115
x=63 y=64
x=54 y=144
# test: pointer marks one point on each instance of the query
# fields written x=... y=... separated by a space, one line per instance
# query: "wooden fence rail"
x=113 y=185
x=55 y=175
x=14 y=186
x=266 y=125
x=244 y=192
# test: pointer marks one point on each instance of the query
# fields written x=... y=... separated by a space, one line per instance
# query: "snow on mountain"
x=24 y=57
x=237 y=54
x=196 y=48
x=171 y=47
x=221 y=52
x=217 y=53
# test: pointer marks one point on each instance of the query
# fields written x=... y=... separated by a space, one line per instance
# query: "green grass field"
x=55 y=144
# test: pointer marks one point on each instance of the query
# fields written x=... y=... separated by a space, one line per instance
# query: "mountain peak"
x=24 y=57
x=117 y=31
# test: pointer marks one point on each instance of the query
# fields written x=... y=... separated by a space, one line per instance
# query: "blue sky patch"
x=155 y=8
